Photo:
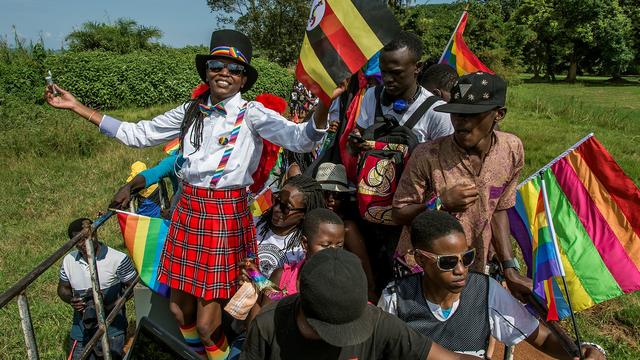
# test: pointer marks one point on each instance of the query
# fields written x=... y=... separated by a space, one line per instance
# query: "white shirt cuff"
x=109 y=126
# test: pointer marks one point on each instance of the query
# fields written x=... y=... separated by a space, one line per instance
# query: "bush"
x=21 y=78
x=107 y=80
x=272 y=78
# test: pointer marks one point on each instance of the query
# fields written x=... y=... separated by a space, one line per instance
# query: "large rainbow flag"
x=144 y=238
x=595 y=212
x=341 y=36
x=457 y=53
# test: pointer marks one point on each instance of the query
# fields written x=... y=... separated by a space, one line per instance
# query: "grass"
x=57 y=168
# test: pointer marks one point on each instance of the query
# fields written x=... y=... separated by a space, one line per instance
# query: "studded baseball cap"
x=476 y=93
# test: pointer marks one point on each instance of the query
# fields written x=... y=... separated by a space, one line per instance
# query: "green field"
x=56 y=168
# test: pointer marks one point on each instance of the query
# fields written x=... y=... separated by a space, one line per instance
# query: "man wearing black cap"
x=471 y=173
x=330 y=319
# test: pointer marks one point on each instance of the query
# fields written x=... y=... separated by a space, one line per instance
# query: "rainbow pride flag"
x=457 y=53
x=144 y=238
x=595 y=210
x=172 y=147
x=261 y=203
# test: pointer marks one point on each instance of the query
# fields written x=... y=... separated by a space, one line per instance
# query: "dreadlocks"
x=313 y=199
x=194 y=117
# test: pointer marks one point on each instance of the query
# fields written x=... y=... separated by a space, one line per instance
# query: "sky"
x=183 y=22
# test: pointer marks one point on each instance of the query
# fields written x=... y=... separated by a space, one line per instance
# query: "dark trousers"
x=381 y=242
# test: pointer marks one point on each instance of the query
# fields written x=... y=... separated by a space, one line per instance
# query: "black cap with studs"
x=476 y=93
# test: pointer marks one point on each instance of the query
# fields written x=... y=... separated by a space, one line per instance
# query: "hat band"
x=333 y=182
x=230 y=52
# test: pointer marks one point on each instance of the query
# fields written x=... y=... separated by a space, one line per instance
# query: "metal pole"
x=453 y=34
x=508 y=352
x=27 y=327
x=21 y=285
x=97 y=295
x=552 y=230
x=114 y=312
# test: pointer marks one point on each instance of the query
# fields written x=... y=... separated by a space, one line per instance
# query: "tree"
x=123 y=36
x=594 y=28
x=534 y=34
x=276 y=27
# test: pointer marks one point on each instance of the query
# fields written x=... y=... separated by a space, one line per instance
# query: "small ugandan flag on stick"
x=341 y=36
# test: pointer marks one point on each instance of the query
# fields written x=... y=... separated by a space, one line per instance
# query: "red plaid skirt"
x=211 y=233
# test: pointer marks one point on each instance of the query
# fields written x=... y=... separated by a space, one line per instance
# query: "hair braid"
x=193 y=117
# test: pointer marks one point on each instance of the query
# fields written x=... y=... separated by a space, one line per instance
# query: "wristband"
x=598 y=347
x=93 y=113
x=434 y=204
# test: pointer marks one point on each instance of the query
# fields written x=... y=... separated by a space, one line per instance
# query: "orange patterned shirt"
x=442 y=163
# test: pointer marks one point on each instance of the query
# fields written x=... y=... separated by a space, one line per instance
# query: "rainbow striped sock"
x=192 y=339
x=219 y=350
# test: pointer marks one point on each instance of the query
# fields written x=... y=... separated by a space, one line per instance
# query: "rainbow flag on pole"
x=261 y=203
x=144 y=238
x=595 y=211
x=341 y=36
x=457 y=53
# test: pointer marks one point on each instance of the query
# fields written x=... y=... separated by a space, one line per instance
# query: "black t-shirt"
x=274 y=335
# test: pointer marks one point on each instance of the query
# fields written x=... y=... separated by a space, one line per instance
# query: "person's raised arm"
x=140 y=134
x=300 y=138
x=65 y=100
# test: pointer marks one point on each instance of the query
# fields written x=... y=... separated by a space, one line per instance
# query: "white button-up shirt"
x=199 y=166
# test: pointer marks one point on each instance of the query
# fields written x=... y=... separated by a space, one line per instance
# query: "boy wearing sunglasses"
x=457 y=308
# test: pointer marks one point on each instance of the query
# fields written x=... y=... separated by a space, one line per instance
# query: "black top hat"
x=232 y=45
x=476 y=93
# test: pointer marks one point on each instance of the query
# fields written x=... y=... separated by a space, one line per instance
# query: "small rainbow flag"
x=172 y=147
x=144 y=238
x=457 y=53
x=261 y=203
x=595 y=210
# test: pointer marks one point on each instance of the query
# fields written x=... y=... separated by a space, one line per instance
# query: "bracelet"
x=435 y=203
x=598 y=347
x=93 y=113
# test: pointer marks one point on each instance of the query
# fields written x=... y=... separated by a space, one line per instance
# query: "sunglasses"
x=449 y=262
x=234 y=69
x=285 y=208
x=336 y=194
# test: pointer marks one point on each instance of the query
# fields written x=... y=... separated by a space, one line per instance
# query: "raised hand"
x=122 y=198
x=64 y=100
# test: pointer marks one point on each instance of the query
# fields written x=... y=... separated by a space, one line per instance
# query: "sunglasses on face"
x=285 y=208
x=449 y=262
x=216 y=66
x=336 y=194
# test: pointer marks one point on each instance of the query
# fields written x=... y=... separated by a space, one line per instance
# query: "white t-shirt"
x=509 y=321
x=272 y=254
x=431 y=126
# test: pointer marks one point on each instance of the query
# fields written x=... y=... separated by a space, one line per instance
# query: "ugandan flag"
x=341 y=36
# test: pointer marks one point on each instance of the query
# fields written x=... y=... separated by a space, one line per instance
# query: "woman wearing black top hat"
x=221 y=141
